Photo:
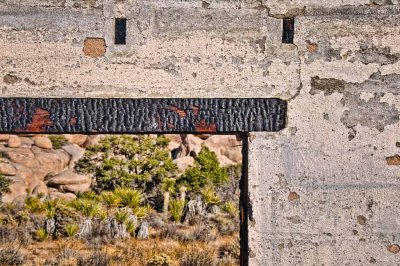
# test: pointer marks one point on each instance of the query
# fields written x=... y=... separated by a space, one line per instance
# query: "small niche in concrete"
x=120 y=31
x=288 y=30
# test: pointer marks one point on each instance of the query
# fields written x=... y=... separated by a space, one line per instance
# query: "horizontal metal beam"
x=34 y=115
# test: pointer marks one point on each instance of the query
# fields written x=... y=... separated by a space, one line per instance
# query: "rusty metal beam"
x=34 y=115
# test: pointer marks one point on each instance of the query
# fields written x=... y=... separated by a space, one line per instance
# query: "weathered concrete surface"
x=324 y=191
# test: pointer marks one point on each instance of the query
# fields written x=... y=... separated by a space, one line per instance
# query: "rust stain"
x=293 y=196
x=361 y=220
x=40 y=120
x=312 y=47
x=393 y=248
x=180 y=112
x=203 y=127
x=393 y=160
x=73 y=121
x=196 y=110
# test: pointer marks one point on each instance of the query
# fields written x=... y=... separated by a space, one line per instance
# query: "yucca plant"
x=230 y=208
x=121 y=215
x=142 y=211
x=176 y=207
x=88 y=208
x=50 y=207
x=71 y=230
x=129 y=197
x=33 y=204
x=41 y=234
x=130 y=227
x=110 y=199
x=210 y=197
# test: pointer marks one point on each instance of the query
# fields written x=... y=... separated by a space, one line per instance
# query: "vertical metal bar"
x=244 y=203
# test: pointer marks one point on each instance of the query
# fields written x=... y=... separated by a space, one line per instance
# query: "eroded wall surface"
x=324 y=191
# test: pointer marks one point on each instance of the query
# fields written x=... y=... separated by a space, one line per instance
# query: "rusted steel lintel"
x=33 y=115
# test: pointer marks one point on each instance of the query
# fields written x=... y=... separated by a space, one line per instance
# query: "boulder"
x=177 y=138
x=18 y=189
x=75 y=188
x=40 y=188
x=183 y=163
x=225 y=145
x=225 y=161
x=191 y=145
x=68 y=177
x=75 y=152
x=173 y=145
x=25 y=173
x=51 y=161
x=4 y=137
x=23 y=156
x=77 y=139
x=92 y=140
x=26 y=142
x=62 y=196
x=14 y=141
x=7 y=169
x=43 y=142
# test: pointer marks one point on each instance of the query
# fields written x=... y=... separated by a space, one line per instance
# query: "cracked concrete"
x=324 y=191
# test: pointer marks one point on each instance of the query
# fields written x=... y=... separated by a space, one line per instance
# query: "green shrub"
x=206 y=170
x=133 y=161
x=71 y=230
x=58 y=141
x=4 y=185
x=176 y=208
x=41 y=234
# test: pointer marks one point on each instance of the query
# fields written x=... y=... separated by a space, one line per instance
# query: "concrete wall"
x=324 y=191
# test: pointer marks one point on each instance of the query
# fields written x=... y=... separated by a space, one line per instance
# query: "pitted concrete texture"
x=324 y=191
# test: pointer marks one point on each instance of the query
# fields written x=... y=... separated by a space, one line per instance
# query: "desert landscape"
x=119 y=199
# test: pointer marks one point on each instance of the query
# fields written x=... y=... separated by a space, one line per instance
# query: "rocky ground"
x=44 y=164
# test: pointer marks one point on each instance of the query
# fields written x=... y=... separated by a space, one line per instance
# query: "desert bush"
x=71 y=230
x=11 y=256
x=41 y=234
x=195 y=256
x=176 y=207
x=133 y=161
x=206 y=170
x=4 y=185
x=160 y=260
x=58 y=141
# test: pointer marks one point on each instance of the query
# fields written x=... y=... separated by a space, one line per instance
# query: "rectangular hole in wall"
x=183 y=214
x=120 y=31
x=288 y=30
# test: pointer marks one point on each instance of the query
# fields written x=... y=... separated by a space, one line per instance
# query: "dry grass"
x=131 y=252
